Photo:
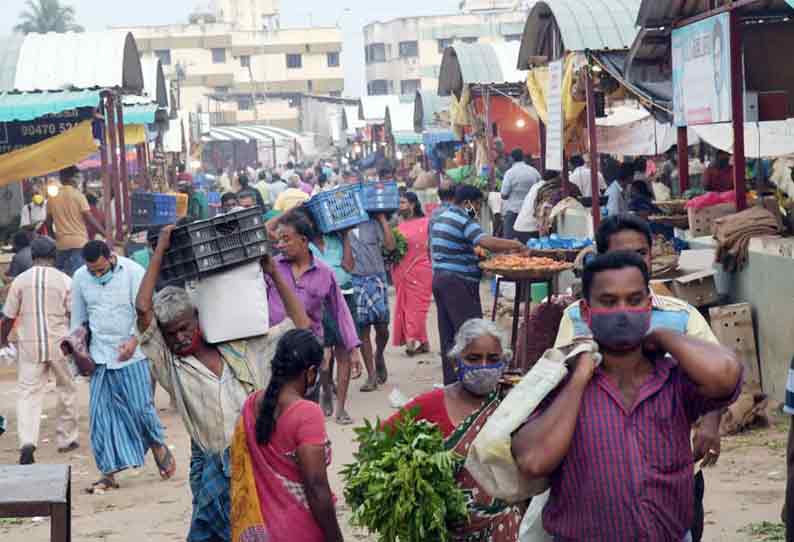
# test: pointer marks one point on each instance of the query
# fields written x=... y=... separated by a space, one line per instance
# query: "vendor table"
x=523 y=294
x=38 y=490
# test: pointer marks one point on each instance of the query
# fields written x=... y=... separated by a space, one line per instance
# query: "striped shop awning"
x=249 y=133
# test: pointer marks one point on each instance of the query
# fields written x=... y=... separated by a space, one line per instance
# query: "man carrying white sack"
x=210 y=382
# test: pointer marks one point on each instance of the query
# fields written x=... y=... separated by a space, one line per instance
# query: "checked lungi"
x=372 y=300
x=124 y=423
x=210 y=481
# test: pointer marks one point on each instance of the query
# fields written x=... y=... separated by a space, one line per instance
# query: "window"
x=294 y=62
x=443 y=44
x=245 y=61
x=468 y=40
x=378 y=87
x=221 y=90
x=335 y=93
x=333 y=60
x=219 y=56
x=245 y=103
x=410 y=86
x=512 y=37
x=409 y=49
x=164 y=55
x=375 y=52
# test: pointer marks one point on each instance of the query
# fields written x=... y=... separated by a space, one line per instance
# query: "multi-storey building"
x=248 y=14
x=404 y=55
x=242 y=74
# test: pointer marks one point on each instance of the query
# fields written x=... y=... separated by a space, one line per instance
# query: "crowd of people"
x=256 y=409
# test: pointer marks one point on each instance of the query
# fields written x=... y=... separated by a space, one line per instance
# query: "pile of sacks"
x=733 y=234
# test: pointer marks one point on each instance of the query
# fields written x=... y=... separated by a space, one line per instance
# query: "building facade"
x=248 y=14
x=404 y=55
x=244 y=76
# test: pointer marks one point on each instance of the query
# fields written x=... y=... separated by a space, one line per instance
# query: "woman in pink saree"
x=413 y=279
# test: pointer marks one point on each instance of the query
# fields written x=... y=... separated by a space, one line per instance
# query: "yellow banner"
x=134 y=134
x=50 y=155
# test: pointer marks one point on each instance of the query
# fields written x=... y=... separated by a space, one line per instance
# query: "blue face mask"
x=480 y=380
x=107 y=277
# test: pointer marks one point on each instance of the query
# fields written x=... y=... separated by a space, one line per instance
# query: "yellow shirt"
x=66 y=210
x=289 y=199
x=696 y=325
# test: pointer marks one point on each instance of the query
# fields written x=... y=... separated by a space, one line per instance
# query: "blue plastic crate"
x=214 y=199
x=338 y=209
x=142 y=209
x=381 y=196
x=164 y=209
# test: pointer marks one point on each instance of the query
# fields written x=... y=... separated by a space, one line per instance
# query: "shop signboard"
x=701 y=72
x=555 y=125
x=17 y=135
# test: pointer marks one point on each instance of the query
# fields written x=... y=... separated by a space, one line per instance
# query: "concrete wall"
x=767 y=283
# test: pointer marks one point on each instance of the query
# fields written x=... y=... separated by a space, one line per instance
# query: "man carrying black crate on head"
x=370 y=288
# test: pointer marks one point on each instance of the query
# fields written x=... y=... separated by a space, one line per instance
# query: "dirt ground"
x=744 y=492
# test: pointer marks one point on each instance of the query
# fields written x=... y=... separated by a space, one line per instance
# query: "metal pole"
x=542 y=135
x=566 y=184
x=124 y=179
x=737 y=97
x=114 y=160
x=275 y=157
x=683 y=159
x=591 y=130
x=103 y=158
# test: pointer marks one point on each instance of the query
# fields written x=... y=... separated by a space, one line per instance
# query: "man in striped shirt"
x=614 y=439
x=454 y=234
x=39 y=301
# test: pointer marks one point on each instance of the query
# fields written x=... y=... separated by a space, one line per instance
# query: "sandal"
x=102 y=485
x=424 y=348
x=344 y=419
x=370 y=386
x=167 y=465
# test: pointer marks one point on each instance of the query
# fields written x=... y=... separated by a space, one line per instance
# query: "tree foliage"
x=44 y=16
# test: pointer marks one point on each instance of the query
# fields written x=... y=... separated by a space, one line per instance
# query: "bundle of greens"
x=395 y=256
x=402 y=483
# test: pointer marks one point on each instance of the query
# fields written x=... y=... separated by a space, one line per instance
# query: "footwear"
x=370 y=386
x=69 y=448
x=100 y=486
x=356 y=370
x=424 y=348
x=343 y=418
x=166 y=465
x=381 y=372
x=26 y=455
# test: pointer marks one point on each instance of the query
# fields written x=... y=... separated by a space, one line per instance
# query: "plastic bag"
x=531 y=529
x=490 y=458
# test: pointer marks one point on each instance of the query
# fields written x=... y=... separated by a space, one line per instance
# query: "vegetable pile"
x=402 y=483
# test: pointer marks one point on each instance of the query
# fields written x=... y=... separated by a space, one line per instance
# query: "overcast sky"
x=99 y=14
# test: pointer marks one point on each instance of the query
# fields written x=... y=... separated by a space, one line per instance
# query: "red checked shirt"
x=628 y=475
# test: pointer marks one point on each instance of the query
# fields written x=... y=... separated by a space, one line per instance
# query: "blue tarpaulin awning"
x=139 y=113
x=26 y=106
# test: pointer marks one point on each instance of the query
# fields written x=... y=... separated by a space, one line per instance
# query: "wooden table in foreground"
x=38 y=490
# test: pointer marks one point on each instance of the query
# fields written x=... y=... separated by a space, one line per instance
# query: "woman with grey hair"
x=460 y=410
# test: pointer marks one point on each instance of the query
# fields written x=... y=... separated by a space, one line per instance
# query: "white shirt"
x=526 y=221
x=516 y=184
x=617 y=203
x=33 y=214
x=581 y=178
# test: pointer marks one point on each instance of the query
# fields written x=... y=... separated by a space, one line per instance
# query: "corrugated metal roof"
x=154 y=83
x=401 y=117
x=9 y=55
x=595 y=25
x=249 y=133
x=27 y=106
x=374 y=107
x=657 y=13
x=351 y=118
x=79 y=61
x=478 y=63
x=427 y=106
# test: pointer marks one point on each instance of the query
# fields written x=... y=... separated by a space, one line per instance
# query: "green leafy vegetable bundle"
x=402 y=484
x=396 y=255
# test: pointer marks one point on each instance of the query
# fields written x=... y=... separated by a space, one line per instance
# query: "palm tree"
x=47 y=16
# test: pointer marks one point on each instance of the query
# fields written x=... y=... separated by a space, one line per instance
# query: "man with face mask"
x=210 y=381
x=614 y=439
x=35 y=212
x=454 y=234
x=124 y=423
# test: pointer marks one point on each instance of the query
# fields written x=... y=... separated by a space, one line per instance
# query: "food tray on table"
x=525 y=268
x=560 y=254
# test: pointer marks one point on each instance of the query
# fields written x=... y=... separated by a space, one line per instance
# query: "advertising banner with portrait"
x=701 y=72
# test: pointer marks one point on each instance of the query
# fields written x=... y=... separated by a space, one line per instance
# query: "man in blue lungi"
x=124 y=424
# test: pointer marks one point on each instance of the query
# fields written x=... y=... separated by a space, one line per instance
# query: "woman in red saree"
x=280 y=454
x=460 y=411
x=413 y=279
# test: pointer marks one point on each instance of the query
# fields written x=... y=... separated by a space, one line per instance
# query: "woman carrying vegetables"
x=460 y=410
x=280 y=454
x=413 y=279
